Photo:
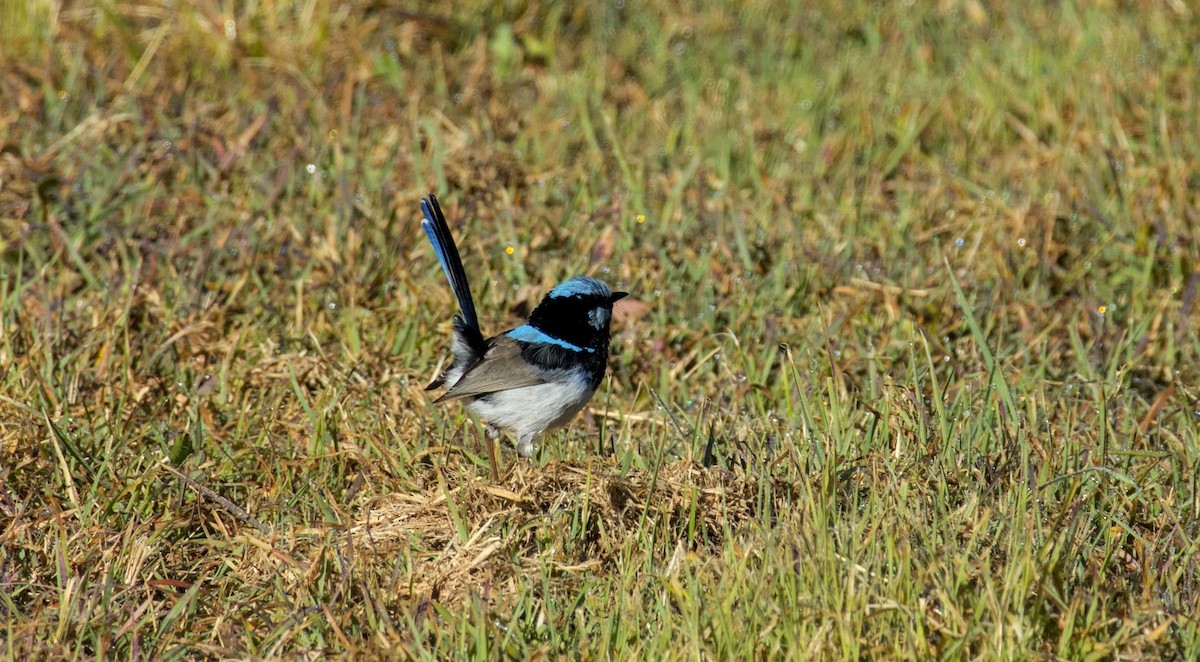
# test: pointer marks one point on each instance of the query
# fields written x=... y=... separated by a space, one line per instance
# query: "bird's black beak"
x=617 y=295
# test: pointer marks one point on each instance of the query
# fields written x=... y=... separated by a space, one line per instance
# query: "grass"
x=910 y=371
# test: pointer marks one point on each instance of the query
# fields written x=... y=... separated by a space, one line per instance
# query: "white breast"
x=532 y=410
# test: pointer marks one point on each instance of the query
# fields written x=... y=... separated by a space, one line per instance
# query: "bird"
x=532 y=378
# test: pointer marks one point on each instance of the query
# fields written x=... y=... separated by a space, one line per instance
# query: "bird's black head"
x=577 y=311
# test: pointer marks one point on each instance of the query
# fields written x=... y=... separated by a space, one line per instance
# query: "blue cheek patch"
x=598 y=317
x=531 y=334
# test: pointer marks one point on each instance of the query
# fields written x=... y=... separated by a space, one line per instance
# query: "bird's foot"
x=525 y=446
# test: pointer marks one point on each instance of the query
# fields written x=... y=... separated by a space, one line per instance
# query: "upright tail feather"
x=447 y=253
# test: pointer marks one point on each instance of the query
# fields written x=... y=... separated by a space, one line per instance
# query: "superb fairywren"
x=537 y=376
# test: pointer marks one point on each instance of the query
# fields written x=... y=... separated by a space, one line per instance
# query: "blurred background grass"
x=911 y=370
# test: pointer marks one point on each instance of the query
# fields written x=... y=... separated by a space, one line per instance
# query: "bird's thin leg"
x=491 y=434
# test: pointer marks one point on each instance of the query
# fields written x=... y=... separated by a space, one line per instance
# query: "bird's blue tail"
x=447 y=253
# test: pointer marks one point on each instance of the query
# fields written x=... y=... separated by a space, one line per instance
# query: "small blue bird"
x=537 y=376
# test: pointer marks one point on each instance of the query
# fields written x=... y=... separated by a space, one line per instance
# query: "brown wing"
x=502 y=368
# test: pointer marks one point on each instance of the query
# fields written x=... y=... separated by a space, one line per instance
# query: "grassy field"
x=910 y=368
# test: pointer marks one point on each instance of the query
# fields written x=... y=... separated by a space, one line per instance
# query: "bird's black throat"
x=566 y=318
